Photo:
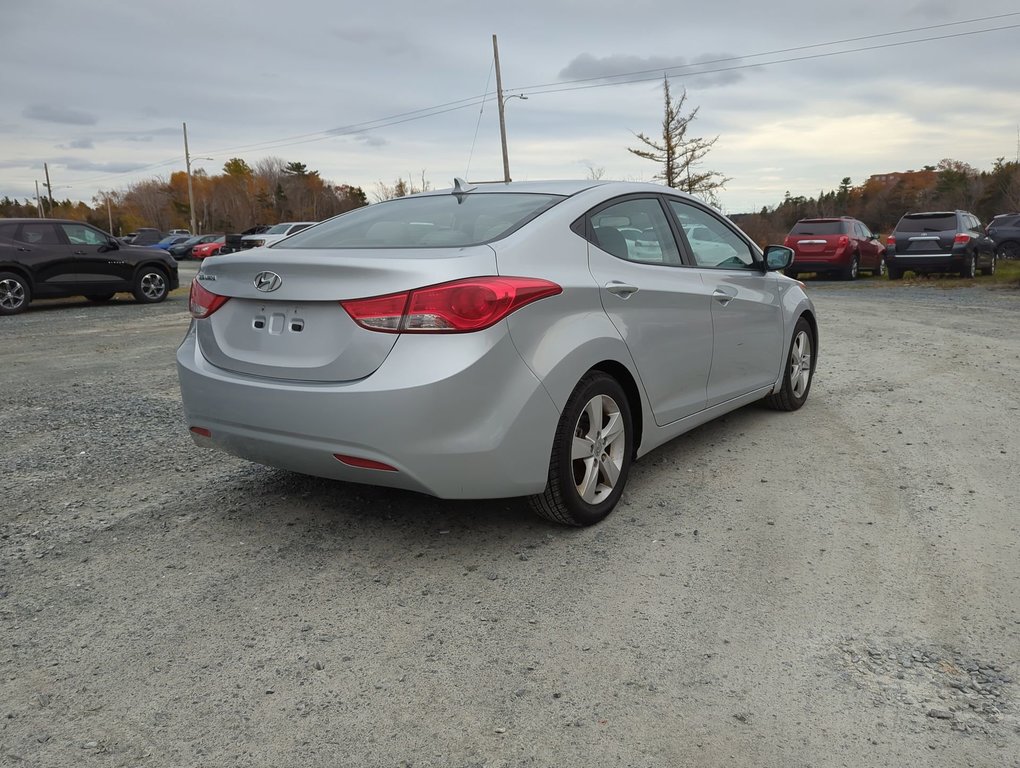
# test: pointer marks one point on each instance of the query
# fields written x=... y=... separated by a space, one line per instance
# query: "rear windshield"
x=424 y=222
x=818 y=228
x=935 y=222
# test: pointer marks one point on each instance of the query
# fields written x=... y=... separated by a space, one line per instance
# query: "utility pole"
x=49 y=189
x=187 y=163
x=502 y=118
x=109 y=212
x=38 y=200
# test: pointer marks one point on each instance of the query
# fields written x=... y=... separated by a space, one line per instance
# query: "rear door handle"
x=623 y=290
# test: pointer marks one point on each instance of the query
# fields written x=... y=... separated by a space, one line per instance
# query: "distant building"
x=918 y=179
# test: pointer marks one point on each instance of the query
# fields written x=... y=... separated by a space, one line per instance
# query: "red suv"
x=844 y=246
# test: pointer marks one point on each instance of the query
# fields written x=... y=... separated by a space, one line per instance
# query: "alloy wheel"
x=598 y=449
x=12 y=294
x=800 y=364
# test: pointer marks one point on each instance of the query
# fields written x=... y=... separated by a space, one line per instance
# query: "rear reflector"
x=360 y=463
x=201 y=431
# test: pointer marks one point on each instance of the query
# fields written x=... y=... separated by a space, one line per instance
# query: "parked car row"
x=923 y=243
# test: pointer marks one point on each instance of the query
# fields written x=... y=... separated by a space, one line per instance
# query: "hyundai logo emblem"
x=268 y=281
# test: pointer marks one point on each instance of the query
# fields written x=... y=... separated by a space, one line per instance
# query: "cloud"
x=80 y=144
x=370 y=140
x=710 y=69
x=51 y=114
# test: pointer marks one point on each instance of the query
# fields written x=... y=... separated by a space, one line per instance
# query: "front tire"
x=150 y=286
x=15 y=294
x=799 y=370
x=990 y=269
x=591 y=454
x=880 y=271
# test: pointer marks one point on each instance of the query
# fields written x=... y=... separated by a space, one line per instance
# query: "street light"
x=187 y=165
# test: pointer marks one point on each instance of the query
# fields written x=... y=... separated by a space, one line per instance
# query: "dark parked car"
x=183 y=249
x=842 y=246
x=53 y=258
x=1004 y=230
x=146 y=236
x=940 y=241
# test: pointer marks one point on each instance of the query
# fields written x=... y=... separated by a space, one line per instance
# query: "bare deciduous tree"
x=680 y=154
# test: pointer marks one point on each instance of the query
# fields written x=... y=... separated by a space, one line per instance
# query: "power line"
x=778 y=51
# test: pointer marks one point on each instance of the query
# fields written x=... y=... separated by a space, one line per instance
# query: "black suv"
x=1004 y=230
x=939 y=241
x=52 y=258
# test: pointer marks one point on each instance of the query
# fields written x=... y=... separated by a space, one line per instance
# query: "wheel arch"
x=21 y=272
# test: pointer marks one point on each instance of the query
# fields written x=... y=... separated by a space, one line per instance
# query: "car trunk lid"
x=284 y=319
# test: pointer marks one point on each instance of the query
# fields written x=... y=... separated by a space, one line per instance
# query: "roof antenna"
x=461 y=188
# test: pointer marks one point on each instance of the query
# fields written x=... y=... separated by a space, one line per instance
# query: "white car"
x=274 y=234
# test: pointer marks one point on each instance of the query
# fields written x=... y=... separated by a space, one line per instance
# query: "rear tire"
x=969 y=267
x=15 y=294
x=990 y=269
x=150 y=286
x=1009 y=250
x=799 y=370
x=895 y=273
x=591 y=454
x=854 y=270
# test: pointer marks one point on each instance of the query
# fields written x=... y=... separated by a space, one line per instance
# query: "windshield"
x=430 y=221
x=277 y=229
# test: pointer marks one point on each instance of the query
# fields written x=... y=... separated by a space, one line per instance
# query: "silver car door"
x=746 y=311
x=661 y=308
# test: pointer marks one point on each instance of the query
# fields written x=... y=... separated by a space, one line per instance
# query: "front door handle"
x=80 y=253
x=623 y=290
x=722 y=297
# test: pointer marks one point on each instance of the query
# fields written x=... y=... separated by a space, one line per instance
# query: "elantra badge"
x=268 y=281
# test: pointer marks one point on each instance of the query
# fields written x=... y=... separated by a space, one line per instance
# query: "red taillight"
x=891 y=240
x=201 y=431
x=456 y=307
x=842 y=242
x=203 y=302
x=962 y=238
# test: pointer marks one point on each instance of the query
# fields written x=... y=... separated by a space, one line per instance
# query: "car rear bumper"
x=928 y=262
x=456 y=417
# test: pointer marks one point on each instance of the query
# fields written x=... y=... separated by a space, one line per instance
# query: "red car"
x=203 y=250
x=843 y=246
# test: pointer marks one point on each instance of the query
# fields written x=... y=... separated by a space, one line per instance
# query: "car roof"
x=554 y=187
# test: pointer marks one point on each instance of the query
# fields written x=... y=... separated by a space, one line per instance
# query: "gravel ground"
x=834 y=587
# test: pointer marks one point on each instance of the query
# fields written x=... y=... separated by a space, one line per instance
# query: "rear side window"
x=939 y=222
x=427 y=222
x=818 y=228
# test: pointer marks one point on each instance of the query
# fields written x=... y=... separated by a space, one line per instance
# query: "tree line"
x=882 y=199
x=239 y=197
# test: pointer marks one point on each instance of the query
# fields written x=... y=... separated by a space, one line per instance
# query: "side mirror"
x=110 y=245
x=778 y=257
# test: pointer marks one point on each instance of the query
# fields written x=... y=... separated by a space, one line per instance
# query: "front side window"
x=712 y=243
x=636 y=230
x=431 y=221
x=79 y=234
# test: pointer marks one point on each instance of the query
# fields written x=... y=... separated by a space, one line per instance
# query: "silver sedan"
x=493 y=340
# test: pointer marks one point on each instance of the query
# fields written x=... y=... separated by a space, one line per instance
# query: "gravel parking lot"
x=834 y=587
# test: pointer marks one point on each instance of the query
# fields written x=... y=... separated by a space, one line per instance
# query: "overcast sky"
x=99 y=89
